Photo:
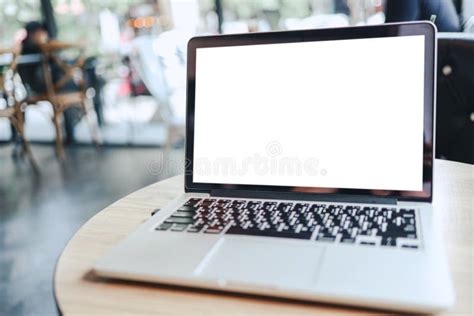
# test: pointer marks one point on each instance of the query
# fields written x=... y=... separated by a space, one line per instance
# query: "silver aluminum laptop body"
x=406 y=271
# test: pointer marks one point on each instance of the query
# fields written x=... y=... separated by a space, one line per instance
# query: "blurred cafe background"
x=92 y=105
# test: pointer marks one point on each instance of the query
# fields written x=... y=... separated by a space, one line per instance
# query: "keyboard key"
x=326 y=238
x=213 y=230
x=179 y=227
x=183 y=214
x=179 y=220
x=187 y=208
x=164 y=226
x=194 y=229
x=348 y=240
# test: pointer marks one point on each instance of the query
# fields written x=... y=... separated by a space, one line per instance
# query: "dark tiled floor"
x=38 y=214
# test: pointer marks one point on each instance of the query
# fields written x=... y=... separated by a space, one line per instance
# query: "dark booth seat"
x=455 y=98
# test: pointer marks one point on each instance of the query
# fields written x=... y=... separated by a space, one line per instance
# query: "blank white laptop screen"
x=332 y=114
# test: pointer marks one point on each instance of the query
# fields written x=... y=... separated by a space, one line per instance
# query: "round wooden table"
x=78 y=291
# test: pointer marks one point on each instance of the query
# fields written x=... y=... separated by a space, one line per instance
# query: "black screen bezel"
x=427 y=29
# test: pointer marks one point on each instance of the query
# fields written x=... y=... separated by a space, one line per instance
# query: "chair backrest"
x=45 y=73
x=455 y=97
x=68 y=70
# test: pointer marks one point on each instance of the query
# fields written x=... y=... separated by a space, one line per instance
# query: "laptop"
x=309 y=172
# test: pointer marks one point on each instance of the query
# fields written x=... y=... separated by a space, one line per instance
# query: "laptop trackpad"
x=252 y=260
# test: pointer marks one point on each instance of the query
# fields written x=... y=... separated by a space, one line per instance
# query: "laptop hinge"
x=343 y=198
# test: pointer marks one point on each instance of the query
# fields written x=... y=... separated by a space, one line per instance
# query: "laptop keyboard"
x=325 y=222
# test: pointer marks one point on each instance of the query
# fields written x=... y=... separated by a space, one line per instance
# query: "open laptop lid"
x=343 y=112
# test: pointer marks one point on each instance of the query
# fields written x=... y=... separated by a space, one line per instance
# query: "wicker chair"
x=59 y=100
x=14 y=110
